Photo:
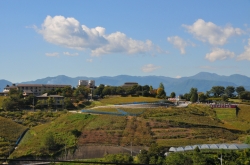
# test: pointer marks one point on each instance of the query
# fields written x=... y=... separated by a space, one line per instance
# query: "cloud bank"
x=211 y=33
x=68 y=32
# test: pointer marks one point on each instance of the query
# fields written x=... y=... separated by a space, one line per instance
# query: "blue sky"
x=109 y=38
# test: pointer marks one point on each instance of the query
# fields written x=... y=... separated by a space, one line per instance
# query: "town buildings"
x=36 y=89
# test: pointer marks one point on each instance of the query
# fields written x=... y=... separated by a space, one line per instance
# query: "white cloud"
x=89 y=60
x=219 y=54
x=211 y=33
x=120 y=43
x=246 y=54
x=70 y=54
x=150 y=68
x=179 y=43
x=55 y=54
x=69 y=33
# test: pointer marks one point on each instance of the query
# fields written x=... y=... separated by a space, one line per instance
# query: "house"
x=58 y=100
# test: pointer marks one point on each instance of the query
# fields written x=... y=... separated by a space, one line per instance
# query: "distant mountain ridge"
x=203 y=81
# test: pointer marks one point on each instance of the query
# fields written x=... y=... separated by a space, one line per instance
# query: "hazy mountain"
x=203 y=81
x=3 y=84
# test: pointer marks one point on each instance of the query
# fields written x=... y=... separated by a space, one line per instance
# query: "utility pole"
x=33 y=100
x=131 y=149
x=220 y=159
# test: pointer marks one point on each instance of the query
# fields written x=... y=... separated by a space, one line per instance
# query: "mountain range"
x=203 y=81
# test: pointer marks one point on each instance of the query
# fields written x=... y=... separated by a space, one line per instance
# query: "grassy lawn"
x=228 y=116
x=235 y=100
x=119 y=100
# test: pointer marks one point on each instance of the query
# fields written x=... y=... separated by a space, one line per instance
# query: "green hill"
x=167 y=126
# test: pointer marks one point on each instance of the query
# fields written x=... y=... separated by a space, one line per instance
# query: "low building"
x=129 y=84
x=36 y=89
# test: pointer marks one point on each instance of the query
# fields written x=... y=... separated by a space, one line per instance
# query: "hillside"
x=167 y=126
x=10 y=131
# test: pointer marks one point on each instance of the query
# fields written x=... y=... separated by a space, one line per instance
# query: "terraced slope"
x=10 y=131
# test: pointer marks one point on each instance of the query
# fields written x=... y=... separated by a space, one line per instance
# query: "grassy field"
x=240 y=122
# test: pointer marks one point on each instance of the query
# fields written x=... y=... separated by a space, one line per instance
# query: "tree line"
x=16 y=100
x=217 y=92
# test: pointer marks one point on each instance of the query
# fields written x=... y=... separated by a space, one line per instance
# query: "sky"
x=96 y=38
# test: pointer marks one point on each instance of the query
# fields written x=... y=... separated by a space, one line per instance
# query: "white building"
x=88 y=83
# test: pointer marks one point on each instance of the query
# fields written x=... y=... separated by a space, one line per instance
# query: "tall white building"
x=88 y=83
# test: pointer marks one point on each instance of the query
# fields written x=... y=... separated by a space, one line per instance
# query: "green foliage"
x=76 y=133
x=229 y=91
x=217 y=90
x=172 y=95
x=240 y=89
x=178 y=159
x=154 y=155
x=224 y=98
x=202 y=97
x=50 y=142
x=118 y=158
x=194 y=95
x=51 y=102
x=247 y=140
x=245 y=95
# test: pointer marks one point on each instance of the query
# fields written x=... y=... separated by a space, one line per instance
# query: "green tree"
x=172 y=95
x=161 y=92
x=67 y=91
x=229 y=91
x=68 y=103
x=240 y=89
x=217 y=90
x=245 y=95
x=118 y=158
x=194 y=95
x=81 y=92
x=51 y=102
x=143 y=157
x=224 y=98
x=98 y=90
x=202 y=97
x=106 y=91
x=50 y=142
x=178 y=159
x=187 y=96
